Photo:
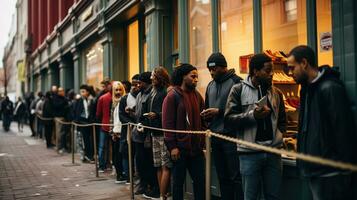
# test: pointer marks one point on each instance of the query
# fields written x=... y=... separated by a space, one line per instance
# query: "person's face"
x=154 y=80
x=103 y=87
x=265 y=75
x=191 y=79
x=54 y=89
x=119 y=91
x=61 y=92
x=135 y=88
x=217 y=71
x=109 y=87
x=142 y=85
x=84 y=93
x=298 y=70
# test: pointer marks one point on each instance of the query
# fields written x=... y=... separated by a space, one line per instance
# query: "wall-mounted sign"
x=87 y=13
x=325 y=41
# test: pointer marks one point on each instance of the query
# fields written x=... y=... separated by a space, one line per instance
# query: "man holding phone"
x=255 y=110
x=225 y=153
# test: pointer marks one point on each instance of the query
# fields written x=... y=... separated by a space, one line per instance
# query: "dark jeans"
x=6 y=121
x=32 y=125
x=40 y=127
x=48 y=133
x=117 y=157
x=145 y=165
x=88 y=141
x=261 y=170
x=102 y=147
x=226 y=161
x=196 y=167
x=337 y=187
x=65 y=129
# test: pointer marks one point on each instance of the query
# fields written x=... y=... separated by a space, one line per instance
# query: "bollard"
x=130 y=162
x=208 y=166
x=95 y=152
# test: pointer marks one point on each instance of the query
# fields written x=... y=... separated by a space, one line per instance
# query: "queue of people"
x=252 y=110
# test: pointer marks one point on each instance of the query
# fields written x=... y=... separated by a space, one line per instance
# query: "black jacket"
x=216 y=97
x=79 y=111
x=154 y=104
x=59 y=104
x=330 y=129
x=47 y=110
x=124 y=117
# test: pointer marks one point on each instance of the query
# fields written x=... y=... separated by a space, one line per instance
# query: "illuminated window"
x=133 y=49
x=283 y=24
x=324 y=32
x=237 y=33
x=94 y=65
x=200 y=39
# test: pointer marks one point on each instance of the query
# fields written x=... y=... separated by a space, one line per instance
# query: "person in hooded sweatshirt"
x=263 y=123
x=225 y=153
x=326 y=126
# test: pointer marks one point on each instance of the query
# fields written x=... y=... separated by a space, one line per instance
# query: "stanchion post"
x=130 y=152
x=95 y=151
x=208 y=166
x=56 y=135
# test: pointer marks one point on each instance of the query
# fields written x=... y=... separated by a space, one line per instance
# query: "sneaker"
x=127 y=182
x=61 y=151
x=152 y=194
x=140 y=190
x=120 y=180
x=101 y=170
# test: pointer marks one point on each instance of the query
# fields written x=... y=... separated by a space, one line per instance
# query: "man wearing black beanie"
x=225 y=153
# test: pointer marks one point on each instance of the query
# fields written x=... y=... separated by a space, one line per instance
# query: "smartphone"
x=262 y=102
x=146 y=114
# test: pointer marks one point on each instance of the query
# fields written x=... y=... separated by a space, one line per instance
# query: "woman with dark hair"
x=20 y=114
x=152 y=111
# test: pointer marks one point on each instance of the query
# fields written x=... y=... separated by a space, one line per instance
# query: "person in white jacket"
x=118 y=92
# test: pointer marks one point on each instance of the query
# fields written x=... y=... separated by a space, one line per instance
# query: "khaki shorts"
x=161 y=155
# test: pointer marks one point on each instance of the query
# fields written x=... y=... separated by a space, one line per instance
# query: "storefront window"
x=200 y=39
x=237 y=41
x=324 y=32
x=283 y=24
x=94 y=65
x=133 y=49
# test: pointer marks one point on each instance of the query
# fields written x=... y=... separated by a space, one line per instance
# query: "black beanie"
x=145 y=77
x=216 y=59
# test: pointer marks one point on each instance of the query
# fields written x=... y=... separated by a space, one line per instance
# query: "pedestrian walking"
x=255 y=111
x=20 y=114
x=181 y=111
x=326 y=126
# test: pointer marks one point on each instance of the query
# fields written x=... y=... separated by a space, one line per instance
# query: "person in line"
x=20 y=114
x=47 y=112
x=118 y=92
x=33 y=118
x=103 y=114
x=153 y=117
x=39 y=113
x=225 y=153
x=326 y=126
x=181 y=111
x=126 y=115
x=255 y=110
x=59 y=106
x=7 y=109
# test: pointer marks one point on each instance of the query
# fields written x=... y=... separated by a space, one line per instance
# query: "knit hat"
x=145 y=77
x=216 y=59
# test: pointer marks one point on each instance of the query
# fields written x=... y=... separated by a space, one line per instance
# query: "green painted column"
x=184 y=43
x=158 y=38
x=32 y=81
x=65 y=74
x=311 y=24
x=51 y=76
x=257 y=21
x=107 y=44
x=76 y=71
x=215 y=25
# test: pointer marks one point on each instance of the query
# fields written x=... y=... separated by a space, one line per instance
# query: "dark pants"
x=48 y=133
x=103 y=148
x=226 y=161
x=117 y=157
x=32 y=124
x=196 y=167
x=337 y=187
x=40 y=127
x=145 y=165
x=88 y=141
x=6 y=121
x=65 y=129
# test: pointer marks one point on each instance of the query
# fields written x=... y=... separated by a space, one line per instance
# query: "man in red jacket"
x=103 y=114
x=181 y=111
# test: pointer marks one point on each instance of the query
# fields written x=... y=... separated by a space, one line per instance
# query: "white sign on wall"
x=325 y=41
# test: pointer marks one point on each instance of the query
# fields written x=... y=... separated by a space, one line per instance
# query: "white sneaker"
x=101 y=171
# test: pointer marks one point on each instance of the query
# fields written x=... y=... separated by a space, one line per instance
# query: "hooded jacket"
x=103 y=110
x=239 y=114
x=216 y=97
x=329 y=131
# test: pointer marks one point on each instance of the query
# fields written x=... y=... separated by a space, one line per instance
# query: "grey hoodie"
x=239 y=114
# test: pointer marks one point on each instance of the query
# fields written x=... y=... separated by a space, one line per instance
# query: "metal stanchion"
x=95 y=152
x=56 y=135
x=208 y=166
x=73 y=127
x=130 y=152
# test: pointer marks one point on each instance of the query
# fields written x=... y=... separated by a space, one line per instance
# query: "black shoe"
x=152 y=194
x=140 y=190
x=120 y=179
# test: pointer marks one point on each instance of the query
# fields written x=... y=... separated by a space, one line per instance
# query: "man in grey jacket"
x=225 y=153
x=262 y=123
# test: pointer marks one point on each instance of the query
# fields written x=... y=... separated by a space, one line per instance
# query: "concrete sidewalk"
x=28 y=170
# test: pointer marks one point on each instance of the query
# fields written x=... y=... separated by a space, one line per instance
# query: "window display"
x=133 y=49
x=94 y=65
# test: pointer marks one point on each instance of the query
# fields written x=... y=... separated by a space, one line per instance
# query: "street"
x=30 y=171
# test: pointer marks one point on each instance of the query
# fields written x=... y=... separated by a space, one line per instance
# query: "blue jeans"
x=196 y=168
x=261 y=170
x=226 y=161
x=103 y=140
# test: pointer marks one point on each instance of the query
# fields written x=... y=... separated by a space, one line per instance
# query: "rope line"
x=208 y=133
